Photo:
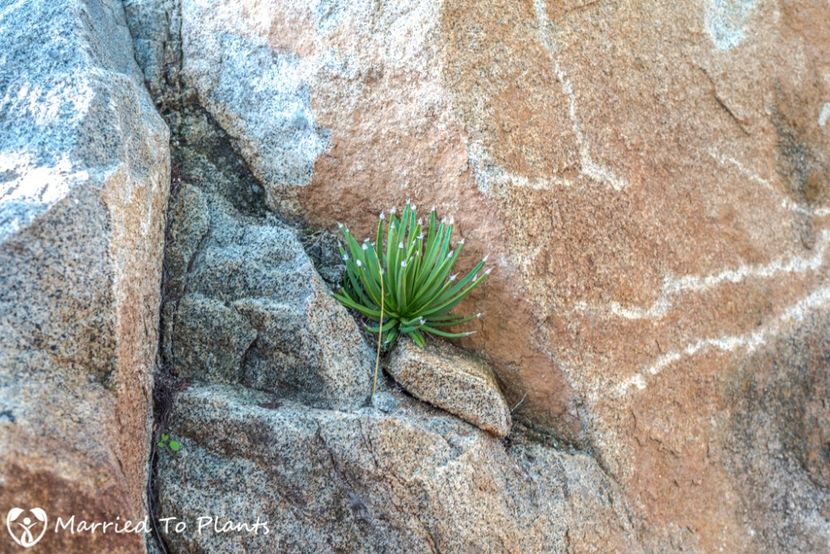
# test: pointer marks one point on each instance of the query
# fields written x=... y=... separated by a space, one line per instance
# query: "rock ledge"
x=454 y=381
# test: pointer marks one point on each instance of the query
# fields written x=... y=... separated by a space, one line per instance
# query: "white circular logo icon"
x=26 y=527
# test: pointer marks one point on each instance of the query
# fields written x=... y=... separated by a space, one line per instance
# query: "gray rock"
x=308 y=350
x=364 y=481
x=84 y=177
x=322 y=246
x=454 y=381
x=205 y=160
x=384 y=401
x=151 y=24
x=246 y=304
x=257 y=94
x=244 y=256
x=210 y=339
x=189 y=223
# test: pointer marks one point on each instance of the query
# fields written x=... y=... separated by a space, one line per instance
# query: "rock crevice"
x=646 y=251
x=274 y=377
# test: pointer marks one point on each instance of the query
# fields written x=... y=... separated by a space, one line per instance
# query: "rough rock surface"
x=781 y=452
x=84 y=177
x=243 y=302
x=452 y=380
x=413 y=480
x=651 y=180
x=245 y=310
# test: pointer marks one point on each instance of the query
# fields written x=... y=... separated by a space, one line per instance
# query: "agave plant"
x=404 y=281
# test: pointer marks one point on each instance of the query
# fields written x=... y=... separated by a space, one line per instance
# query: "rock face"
x=273 y=416
x=780 y=454
x=84 y=176
x=452 y=380
x=413 y=480
x=243 y=302
x=272 y=410
x=651 y=180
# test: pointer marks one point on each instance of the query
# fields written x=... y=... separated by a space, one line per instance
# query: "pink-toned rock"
x=651 y=181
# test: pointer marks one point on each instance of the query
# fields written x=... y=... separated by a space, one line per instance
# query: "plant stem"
x=380 y=331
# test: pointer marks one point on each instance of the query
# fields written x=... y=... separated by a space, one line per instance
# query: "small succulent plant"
x=404 y=280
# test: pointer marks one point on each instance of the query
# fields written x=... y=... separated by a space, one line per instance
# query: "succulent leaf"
x=409 y=268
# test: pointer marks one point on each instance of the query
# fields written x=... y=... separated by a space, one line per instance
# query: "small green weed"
x=170 y=444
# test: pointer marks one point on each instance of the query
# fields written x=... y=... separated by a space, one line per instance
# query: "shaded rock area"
x=782 y=449
x=84 y=178
x=243 y=302
x=453 y=381
x=410 y=480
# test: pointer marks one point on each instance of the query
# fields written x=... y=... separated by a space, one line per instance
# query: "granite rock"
x=411 y=480
x=210 y=340
x=257 y=94
x=651 y=183
x=452 y=380
x=84 y=179
x=245 y=303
